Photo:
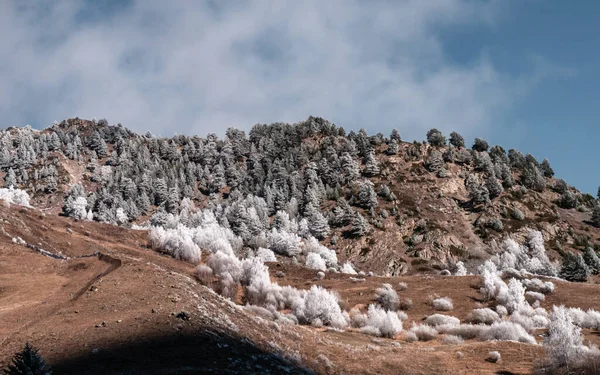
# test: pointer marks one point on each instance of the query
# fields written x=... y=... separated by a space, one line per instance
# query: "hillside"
x=259 y=223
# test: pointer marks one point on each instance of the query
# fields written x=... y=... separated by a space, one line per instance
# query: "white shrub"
x=348 y=268
x=410 y=336
x=424 y=332
x=253 y=268
x=585 y=319
x=312 y=245
x=15 y=196
x=387 y=323
x=387 y=297
x=443 y=304
x=531 y=256
x=506 y=331
x=532 y=297
x=260 y=311
x=402 y=286
x=204 y=273
x=439 y=319
x=176 y=242
x=284 y=243
x=565 y=341
x=501 y=310
x=315 y=262
x=466 y=331
x=357 y=318
x=483 y=316
x=320 y=304
x=461 y=270
x=537 y=285
x=514 y=296
x=222 y=263
x=453 y=340
x=266 y=255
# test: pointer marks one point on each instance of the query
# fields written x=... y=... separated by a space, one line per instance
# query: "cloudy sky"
x=520 y=73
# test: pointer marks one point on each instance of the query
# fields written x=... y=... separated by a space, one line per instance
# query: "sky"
x=520 y=73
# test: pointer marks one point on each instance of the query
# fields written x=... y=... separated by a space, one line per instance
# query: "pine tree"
x=574 y=268
x=546 y=169
x=392 y=147
x=436 y=138
x=364 y=194
x=434 y=161
x=10 y=179
x=395 y=135
x=591 y=259
x=172 y=201
x=358 y=225
x=28 y=362
x=317 y=223
x=480 y=145
x=160 y=191
x=371 y=165
x=478 y=193
x=457 y=140
x=596 y=216
x=349 y=167
x=98 y=144
x=493 y=186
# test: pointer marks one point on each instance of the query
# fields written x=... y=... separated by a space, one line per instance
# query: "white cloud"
x=200 y=66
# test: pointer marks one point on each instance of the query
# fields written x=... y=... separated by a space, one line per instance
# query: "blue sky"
x=520 y=73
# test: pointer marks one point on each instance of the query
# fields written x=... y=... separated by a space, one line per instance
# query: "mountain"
x=268 y=219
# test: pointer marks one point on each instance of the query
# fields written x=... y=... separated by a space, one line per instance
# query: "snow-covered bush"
x=440 y=319
x=424 y=332
x=266 y=255
x=176 y=242
x=382 y=322
x=442 y=304
x=537 y=285
x=357 y=318
x=252 y=268
x=204 y=273
x=320 y=304
x=284 y=243
x=589 y=319
x=315 y=262
x=483 y=316
x=453 y=340
x=506 y=331
x=14 y=196
x=402 y=286
x=466 y=331
x=532 y=297
x=387 y=297
x=222 y=263
x=460 y=270
x=565 y=341
x=311 y=245
x=531 y=256
x=348 y=268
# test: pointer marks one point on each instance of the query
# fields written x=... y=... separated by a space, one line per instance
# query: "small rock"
x=104 y=324
x=76 y=311
x=154 y=311
x=183 y=316
x=119 y=321
x=280 y=274
x=69 y=230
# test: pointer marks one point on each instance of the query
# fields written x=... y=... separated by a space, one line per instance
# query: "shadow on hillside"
x=202 y=353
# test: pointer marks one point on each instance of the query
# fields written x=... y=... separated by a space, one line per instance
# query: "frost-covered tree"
x=436 y=138
x=387 y=297
x=564 y=343
x=358 y=225
x=317 y=223
x=434 y=161
x=591 y=260
x=392 y=147
x=98 y=145
x=457 y=140
x=395 y=135
x=10 y=180
x=595 y=220
x=478 y=193
x=480 y=145
x=371 y=165
x=568 y=200
x=546 y=169
x=493 y=186
x=574 y=268
x=364 y=194
x=532 y=178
